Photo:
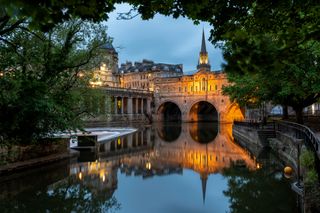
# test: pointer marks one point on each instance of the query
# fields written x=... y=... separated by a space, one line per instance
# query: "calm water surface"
x=161 y=168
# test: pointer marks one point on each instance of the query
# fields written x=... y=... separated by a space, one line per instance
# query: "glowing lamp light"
x=80 y=175
x=148 y=165
x=119 y=141
x=259 y=166
x=312 y=108
x=119 y=104
x=288 y=172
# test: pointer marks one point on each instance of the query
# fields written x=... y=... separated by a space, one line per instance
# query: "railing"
x=293 y=129
x=299 y=131
x=255 y=124
x=121 y=89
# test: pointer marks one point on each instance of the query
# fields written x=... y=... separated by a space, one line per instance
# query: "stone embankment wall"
x=20 y=153
x=285 y=146
x=248 y=138
x=118 y=120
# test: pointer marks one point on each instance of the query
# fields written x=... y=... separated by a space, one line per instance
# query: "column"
x=137 y=105
x=129 y=106
x=115 y=105
x=142 y=106
x=121 y=106
x=148 y=106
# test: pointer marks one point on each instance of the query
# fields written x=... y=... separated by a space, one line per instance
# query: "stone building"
x=141 y=75
x=107 y=74
x=161 y=92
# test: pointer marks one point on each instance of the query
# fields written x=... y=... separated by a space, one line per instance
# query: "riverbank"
x=103 y=134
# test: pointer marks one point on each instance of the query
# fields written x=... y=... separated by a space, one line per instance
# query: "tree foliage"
x=40 y=83
x=271 y=48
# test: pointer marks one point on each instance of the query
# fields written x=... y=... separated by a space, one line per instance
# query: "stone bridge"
x=187 y=98
x=197 y=97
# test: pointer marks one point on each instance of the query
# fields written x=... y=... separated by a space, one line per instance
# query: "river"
x=165 y=167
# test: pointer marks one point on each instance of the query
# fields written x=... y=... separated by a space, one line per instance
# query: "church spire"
x=204 y=178
x=203 y=64
x=203 y=44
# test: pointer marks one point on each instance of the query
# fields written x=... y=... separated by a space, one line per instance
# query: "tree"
x=44 y=77
x=252 y=191
x=291 y=80
x=270 y=37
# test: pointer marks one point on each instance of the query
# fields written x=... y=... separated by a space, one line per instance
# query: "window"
x=203 y=84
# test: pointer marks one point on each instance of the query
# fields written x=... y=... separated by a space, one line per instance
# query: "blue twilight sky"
x=161 y=39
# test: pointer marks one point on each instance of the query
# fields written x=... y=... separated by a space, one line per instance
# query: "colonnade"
x=129 y=105
x=135 y=141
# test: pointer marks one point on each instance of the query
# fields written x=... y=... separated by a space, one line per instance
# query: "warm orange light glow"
x=148 y=165
x=203 y=58
x=288 y=172
x=80 y=175
x=259 y=166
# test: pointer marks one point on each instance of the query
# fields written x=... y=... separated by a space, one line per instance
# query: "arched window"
x=203 y=84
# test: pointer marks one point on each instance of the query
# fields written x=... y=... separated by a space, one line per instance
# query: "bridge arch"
x=232 y=112
x=203 y=111
x=169 y=111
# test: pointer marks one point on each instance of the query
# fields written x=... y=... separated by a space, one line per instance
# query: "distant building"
x=202 y=82
x=141 y=75
x=173 y=95
x=107 y=74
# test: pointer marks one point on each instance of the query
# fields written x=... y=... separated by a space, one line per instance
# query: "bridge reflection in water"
x=163 y=149
x=161 y=168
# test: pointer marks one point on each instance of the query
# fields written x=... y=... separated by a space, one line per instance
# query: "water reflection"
x=203 y=132
x=168 y=132
x=124 y=175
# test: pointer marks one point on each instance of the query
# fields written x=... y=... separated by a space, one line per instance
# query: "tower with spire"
x=203 y=64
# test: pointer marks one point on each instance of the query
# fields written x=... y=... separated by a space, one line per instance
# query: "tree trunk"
x=299 y=115
x=285 y=114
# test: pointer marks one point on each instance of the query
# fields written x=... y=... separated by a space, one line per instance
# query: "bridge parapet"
x=120 y=91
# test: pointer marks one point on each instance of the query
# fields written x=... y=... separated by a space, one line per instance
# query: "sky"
x=161 y=39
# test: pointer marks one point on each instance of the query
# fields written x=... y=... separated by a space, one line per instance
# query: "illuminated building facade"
x=141 y=75
x=157 y=91
x=107 y=74
x=196 y=97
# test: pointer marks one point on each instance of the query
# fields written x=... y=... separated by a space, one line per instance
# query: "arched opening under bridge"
x=203 y=111
x=169 y=112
